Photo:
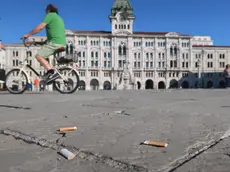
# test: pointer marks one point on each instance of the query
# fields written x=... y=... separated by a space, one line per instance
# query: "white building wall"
x=202 y=40
x=2 y=59
x=155 y=73
x=2 y=56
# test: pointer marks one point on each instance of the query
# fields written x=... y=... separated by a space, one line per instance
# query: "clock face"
x=121 y=18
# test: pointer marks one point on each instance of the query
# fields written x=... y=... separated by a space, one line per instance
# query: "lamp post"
x=203 y=52
x=201 y=73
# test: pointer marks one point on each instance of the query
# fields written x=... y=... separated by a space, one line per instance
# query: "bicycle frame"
x=24 y=64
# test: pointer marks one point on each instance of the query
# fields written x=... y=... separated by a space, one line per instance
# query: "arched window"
x=29 y=54
x=115 y=26
x=124 y=50
x=67 y=50
x=124 y=26
x=128 y=26
x=119 y=50
x=175 y=50
x=71 y=48
x=171 y=51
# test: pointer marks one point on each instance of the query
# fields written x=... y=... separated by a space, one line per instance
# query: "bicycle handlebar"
x=30 y=43
x=27 y=44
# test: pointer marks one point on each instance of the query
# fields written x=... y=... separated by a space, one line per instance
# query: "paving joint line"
x=99 y=158
x=189 y=156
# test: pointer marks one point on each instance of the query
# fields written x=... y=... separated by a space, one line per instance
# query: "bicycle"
x=62 y=71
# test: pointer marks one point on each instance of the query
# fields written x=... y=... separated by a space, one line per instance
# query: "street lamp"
x=203 y=52
x=201 y=74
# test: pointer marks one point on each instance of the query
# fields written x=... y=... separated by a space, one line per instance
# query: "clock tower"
x=122 y=17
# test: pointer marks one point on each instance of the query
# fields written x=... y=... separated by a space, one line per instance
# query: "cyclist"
x=55 y=31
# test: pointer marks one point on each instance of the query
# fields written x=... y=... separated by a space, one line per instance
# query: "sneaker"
x=49 y=78
x=46 y=76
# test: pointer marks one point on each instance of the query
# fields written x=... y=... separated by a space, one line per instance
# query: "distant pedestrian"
x=36 y=84
x=29 y=86
x=227 y=76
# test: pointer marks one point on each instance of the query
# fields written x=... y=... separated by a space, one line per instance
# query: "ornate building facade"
x=125 y=59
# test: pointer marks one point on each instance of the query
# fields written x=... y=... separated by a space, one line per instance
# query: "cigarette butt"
x=68 y=129
x=158 y=144
x=67 y=154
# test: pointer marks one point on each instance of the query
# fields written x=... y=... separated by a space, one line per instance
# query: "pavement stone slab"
x=179 y=117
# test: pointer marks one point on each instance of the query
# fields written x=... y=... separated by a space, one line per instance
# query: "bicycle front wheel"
x=69 y=85
x=16 y=81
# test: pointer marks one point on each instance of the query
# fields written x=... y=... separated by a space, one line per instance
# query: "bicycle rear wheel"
x=16 y=81
x=69 y=86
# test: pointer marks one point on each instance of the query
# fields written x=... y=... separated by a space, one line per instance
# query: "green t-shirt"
x=55 y=29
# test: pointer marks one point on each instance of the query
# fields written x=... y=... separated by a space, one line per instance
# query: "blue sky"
x=196 y=17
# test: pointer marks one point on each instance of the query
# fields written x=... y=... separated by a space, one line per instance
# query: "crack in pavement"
x=104 y=106
x=15 y=107
x=99 y=158
x=190 y=155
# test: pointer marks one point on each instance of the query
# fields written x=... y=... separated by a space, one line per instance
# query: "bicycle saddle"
x=60 y=49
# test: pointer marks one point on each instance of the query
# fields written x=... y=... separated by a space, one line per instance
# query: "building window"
x=171 y=51
x=186 y=64
x=222 y=56
x=196 y=64
x=210 y=64
x=119 y=50
x=222 y=64
x=29 y=54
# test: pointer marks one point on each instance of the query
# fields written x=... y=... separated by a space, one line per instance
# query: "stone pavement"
x=106 y=141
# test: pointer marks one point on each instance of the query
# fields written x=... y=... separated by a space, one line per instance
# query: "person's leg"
x=46 y=51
